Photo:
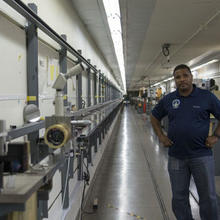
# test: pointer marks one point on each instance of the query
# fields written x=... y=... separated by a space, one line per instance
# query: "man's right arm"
x=159 y=132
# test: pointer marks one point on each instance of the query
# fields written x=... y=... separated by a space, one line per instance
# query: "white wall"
x=71 y=86
x=48 y=66
x=13 y=72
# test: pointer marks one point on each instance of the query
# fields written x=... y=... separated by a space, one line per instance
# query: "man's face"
x=183 y=79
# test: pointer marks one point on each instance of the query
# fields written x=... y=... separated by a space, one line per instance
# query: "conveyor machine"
x=68 y=136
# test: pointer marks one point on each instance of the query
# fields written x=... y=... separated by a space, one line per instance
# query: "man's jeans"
x=202 y=170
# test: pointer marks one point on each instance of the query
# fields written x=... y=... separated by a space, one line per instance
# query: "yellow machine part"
x=63 y=129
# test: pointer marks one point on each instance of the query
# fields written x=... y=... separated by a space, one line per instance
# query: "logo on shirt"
x=196 y=106
x=176 y=103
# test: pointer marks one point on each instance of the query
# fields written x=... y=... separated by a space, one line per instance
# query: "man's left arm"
x=212 y=140
x=215 y=110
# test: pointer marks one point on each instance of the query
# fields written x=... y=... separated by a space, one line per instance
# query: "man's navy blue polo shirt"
x=189 y=119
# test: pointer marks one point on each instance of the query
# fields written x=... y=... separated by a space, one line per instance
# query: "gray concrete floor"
x=133 y=182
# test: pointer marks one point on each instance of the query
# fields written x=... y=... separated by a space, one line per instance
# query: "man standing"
x=190 y=153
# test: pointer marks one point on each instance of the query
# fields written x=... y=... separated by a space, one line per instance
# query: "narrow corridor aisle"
x=132 y=182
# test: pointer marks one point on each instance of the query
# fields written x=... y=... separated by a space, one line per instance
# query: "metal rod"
x=26 y=129
x=63 y=66
x=35 y=126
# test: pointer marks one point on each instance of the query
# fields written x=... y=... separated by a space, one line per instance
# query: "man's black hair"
x=181 y=66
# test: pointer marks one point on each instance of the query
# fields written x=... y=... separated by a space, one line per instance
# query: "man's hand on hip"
x=211 y=140
x=165 y=140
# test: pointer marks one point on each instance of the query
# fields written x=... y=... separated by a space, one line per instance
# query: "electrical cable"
x=75 y=170
x=86 y=180
x=54 y=200
x=87 y=168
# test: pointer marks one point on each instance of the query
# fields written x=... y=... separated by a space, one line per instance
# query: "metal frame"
x=87 y=111
x=79 y=91
x=32 y=17
x=38 y=22
x=5 y=208
x=35 y=126
x=26 y=129
x=85 y=150
x=32 y=78
x=107 y=89
x=95 y=89
x=102 y=88
x=100 y=83
x=7 y=201
x=99 y=132
x=32 y=129
x=32 y=60
x=88 y=86
x=105 y=100
x=63 y=66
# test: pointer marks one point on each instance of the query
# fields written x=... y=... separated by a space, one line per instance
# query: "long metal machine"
x=69 y=136
x=87 y=131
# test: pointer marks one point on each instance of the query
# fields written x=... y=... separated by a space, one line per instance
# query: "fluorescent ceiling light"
x=168 y=79
x=165 y=80
x=156 y=84
x=205 y=64
x=112 y=11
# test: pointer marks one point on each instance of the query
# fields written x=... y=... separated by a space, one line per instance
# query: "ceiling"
x=190 y=27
